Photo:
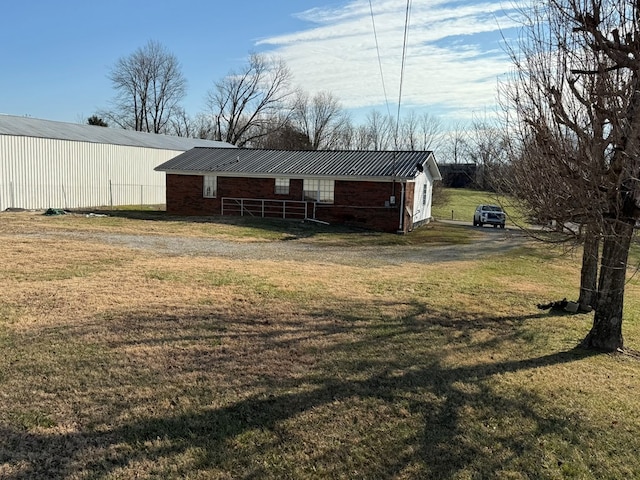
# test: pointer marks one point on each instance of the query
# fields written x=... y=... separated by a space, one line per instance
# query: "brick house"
x=385 y=191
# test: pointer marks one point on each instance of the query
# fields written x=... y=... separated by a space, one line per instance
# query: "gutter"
x=401 y=227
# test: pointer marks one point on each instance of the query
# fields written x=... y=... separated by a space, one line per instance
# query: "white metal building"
x=46 y=164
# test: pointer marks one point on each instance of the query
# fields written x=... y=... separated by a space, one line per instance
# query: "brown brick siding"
x=241 y=187
x=184 y=196
x=362 y=204
x=364 y=194
x=385 y=219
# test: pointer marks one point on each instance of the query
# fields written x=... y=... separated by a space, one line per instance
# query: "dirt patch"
x=489 y=242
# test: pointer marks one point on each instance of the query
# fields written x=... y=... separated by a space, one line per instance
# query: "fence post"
x=141 y=195
x=12 y=194
x=110 y=195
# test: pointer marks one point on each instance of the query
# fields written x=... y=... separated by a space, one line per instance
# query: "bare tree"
x=455 y=143
x=203 y=127
x=538 y=175
x=409 y=131
x=487 y=148
x=244 y=104
x=430 y=128
x=346 y=136
x=361 y=138
x=181 y=124
x=419 y=132
x=149 y=86
x=380 y=131
x=320 y=117
x=577 y=101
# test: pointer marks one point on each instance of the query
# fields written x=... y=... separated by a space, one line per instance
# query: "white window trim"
x=282 y=187
x=318 y=190
x=209 y=181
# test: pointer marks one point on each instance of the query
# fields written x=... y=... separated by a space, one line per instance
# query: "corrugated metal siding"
x=359 y=163
x=37 y=173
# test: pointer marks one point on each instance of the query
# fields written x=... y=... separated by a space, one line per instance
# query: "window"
x=319 y=190
x=282 y=186
x=209 y=188
x=424 y=194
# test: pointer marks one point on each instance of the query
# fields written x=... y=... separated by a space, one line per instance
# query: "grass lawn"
x=122 y=363
x=461 y=203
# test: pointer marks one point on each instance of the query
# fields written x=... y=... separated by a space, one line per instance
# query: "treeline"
x=259 y=106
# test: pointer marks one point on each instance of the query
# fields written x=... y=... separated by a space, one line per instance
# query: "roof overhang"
x=433 y=167
x=346 y=178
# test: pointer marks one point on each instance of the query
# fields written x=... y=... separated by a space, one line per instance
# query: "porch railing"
x=256 y=207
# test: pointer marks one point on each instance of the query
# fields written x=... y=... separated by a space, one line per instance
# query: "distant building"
x=46 y=164
x=459 y=175
x=387 y=191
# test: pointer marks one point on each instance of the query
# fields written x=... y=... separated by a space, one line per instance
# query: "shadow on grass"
x=454 y=404
x=434 y=233
x=289 y=228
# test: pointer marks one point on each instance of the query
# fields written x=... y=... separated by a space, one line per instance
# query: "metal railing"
x=256 y=207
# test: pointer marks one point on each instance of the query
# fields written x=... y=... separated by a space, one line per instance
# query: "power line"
x=405 y=41
x=404 y=56
x=375 y=35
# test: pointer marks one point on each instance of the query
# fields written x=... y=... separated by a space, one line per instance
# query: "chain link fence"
x=16 y=195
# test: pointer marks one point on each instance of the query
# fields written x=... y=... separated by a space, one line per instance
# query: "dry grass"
x=122 y=363
x=461 y=203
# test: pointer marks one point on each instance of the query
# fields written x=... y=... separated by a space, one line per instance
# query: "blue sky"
x=56 y=55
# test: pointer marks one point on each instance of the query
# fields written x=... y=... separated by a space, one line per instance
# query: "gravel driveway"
x=490 y=241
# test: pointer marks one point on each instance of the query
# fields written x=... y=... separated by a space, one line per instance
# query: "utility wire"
x=375 y=35
x=404 y=56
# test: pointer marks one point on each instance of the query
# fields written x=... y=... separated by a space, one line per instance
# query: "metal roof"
x=304 y=163
x=33 y=127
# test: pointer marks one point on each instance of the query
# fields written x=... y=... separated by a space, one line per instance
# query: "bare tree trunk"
x=606 y=332
x=589 y=271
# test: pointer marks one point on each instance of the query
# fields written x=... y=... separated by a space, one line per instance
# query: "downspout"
x=401 y=227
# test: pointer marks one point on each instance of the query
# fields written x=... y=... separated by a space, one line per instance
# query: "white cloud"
x=453 y=55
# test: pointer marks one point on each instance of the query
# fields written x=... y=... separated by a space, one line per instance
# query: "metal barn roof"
x=33 y=127
x=304 y=163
